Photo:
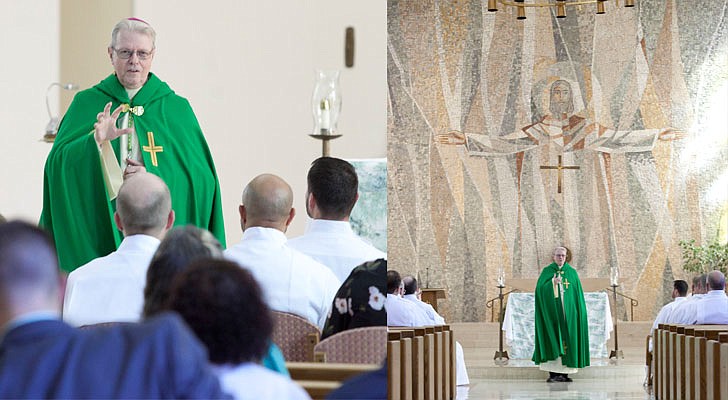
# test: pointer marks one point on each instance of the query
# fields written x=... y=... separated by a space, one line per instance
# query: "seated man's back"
x=333 y=190
x=158 y=359
x=713 y=307
x=291 y=281
x=335 y=245
x=111 y=288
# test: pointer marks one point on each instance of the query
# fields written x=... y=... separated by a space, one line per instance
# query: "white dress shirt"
x=291 y=281
x=110 y=288
x=401 y=312
x=685 y=312
x=432 y=315
x=663 y=317
x=252 y=381
x=713 y=308
x=335 y=245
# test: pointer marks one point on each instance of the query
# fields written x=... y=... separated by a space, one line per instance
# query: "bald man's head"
x=144 y=205
x=716 y=280
x=267 y=202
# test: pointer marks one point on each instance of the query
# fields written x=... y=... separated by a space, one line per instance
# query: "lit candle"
x=325 y=117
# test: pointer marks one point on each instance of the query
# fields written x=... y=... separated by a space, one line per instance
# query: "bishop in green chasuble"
x=78 y=209
x=562 y=333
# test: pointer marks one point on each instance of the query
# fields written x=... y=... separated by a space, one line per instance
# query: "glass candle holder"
x=326 y=102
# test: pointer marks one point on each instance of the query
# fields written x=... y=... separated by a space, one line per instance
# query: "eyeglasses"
x=125 y=54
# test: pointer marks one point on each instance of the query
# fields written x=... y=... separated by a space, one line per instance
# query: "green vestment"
x=77 y=210
x=561 y=331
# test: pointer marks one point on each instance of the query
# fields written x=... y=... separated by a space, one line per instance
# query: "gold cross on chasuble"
x=152 y=149
x=566 y=283
x=560 y=168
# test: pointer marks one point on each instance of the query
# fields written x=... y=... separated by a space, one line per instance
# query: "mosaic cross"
x=560 y=168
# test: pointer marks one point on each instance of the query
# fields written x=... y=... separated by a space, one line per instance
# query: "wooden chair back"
x=366 y=345
x=295 y=336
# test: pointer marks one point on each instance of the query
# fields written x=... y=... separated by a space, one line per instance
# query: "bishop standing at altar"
x=562 y=333
x=129 y=122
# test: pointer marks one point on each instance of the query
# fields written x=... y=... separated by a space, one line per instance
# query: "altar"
x=518 y=324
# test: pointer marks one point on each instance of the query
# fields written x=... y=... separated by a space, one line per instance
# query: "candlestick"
x=615 y=276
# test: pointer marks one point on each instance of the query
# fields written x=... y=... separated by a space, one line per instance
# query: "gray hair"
x=132 y=25
x=716 y=280
x=180 y=247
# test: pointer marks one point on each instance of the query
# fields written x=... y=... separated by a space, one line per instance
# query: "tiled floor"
x=590 y=389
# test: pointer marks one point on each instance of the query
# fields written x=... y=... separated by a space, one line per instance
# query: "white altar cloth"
x=519 y=326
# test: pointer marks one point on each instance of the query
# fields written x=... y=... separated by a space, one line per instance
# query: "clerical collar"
x=132 y=92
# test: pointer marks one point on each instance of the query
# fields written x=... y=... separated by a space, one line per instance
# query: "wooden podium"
x=430 y=296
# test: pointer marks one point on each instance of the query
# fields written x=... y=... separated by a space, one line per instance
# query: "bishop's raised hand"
x=105 y=127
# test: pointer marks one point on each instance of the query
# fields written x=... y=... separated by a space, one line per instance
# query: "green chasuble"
x=561 y=331
x=77 y=210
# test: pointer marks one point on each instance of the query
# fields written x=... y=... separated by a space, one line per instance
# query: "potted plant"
x=703 y=259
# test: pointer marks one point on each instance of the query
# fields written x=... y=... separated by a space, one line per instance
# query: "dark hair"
x=410 y=284
x=334 y=184
x=179 y=248
x=681 y=286
x=223 y=304
x=393 y=281
x=28 y=259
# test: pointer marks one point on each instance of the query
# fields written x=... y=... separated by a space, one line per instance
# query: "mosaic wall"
x=483 y=109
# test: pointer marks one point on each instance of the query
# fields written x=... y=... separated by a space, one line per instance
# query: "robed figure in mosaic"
x=561 y=171
x=151 y=128
x=562 y=331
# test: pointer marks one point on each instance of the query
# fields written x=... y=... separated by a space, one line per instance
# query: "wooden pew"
x=394 y=370
x=318 y=379
x=689 y=362
x=431 y=373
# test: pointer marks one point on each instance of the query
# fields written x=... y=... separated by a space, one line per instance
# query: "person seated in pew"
x=291 y=281
x=43 y=357
x=332 y=192
x=223 y=304
x=111 y=288
x=412 y=294
x=401 y=312
x=713 y=307
x=360 y=300
x=679 y=294
x=180 y=247
x=685 y=313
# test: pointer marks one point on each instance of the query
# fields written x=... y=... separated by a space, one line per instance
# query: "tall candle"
x=325 y=116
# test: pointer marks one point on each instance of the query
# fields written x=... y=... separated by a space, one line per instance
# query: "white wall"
x=248 y=70
x=246 y=67
x=29 y=43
